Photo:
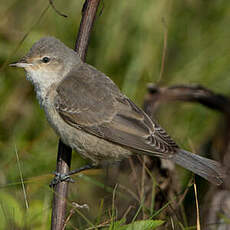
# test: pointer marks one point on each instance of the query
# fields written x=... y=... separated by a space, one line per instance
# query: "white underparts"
x=42 y=82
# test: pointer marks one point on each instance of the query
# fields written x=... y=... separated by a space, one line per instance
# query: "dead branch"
x=195 y=93
x=214 y=204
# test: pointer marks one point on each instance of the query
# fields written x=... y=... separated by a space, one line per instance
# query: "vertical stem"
x=88 y=17
x=64 y=152
x=61 y=189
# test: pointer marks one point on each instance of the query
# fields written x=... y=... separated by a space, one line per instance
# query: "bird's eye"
x=45 y=59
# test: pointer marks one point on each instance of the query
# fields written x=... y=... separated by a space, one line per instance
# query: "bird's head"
x=48 y=61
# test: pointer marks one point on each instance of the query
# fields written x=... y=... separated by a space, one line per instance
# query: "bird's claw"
x=60 y=177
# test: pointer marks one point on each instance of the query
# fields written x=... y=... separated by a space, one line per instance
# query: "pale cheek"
x=45 y=73
x=40 y=69
x=33 y=68
x=55 y=68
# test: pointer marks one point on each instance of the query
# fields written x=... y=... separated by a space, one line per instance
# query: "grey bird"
x=91 y=115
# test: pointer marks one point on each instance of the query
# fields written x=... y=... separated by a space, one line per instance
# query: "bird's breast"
x=88 y=145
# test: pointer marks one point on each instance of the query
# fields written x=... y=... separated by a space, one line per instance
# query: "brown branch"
x=88 y=16
x=64 y=152
x=195 y=93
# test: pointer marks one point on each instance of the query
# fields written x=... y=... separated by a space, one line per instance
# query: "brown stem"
x=195 y=93
x=61 y=189
x=64 y=152
x=88 y=16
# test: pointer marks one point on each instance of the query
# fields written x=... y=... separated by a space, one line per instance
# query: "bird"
x=91 y=115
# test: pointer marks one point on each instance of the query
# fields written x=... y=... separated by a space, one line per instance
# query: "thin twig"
x=172 y=223
x=102 y=225
x=197 y=208
x=130 y=192
x=56 y=10
x=127 y=211
x=68 y=218
x=113 y=201
x=142 y=198
x=72 y=211
x=134 y=174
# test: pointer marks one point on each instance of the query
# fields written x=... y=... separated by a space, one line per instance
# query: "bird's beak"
x=22 y=63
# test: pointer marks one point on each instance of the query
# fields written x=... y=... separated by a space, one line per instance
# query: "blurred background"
x=128 y=41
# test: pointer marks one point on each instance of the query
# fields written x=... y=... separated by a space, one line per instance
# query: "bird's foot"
x=60 y=177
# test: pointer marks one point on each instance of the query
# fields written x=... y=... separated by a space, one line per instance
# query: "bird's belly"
x=87 y=145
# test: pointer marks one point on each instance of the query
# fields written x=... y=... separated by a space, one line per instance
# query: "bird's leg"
x=60 y=177
x=85 y=167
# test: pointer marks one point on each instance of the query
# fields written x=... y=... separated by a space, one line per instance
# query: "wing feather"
x=89 y=100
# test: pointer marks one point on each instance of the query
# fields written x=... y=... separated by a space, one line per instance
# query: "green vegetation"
x=127 y=45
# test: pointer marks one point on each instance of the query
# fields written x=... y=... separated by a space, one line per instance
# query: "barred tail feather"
x=210 y=170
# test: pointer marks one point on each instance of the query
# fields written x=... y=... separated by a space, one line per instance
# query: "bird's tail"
x=210 y=170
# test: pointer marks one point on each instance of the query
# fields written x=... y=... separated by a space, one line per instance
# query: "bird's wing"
x=89 y=100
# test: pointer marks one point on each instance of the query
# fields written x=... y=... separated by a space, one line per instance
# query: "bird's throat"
x=42 y=83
